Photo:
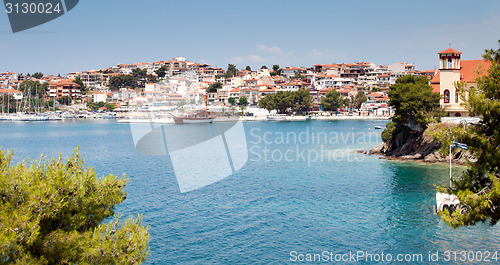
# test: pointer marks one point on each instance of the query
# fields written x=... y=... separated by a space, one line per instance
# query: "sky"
x=101 y=34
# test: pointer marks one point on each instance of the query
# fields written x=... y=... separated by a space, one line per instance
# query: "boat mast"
x=450 y=168
x=8 y=103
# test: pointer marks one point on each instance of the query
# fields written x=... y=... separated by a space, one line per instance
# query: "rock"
x=378 y=150
x=416 y=145
x=411 y=157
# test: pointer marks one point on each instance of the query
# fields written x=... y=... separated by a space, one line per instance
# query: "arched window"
x=456 y=96
x=447 y=96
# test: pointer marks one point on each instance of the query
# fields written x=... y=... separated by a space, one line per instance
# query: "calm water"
x=339 y=201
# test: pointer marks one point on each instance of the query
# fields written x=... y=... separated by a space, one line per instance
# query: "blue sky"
x=99 y=34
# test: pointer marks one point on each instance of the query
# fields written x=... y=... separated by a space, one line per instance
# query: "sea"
x=296 y=192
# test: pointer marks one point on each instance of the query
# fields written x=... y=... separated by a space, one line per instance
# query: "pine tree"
x=479 y=187
x=51 y=212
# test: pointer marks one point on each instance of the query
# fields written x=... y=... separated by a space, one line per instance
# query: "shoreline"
x=250 y=119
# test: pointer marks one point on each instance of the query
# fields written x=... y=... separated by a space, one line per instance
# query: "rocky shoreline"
x=419 y=146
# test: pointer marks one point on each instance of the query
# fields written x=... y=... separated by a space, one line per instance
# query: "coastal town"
x=172 y=84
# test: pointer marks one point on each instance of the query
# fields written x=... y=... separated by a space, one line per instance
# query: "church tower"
x=449 y=68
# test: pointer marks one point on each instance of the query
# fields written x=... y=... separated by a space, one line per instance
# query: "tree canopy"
x=414 y=102
x=333 y=101
x=162 y=71
x=479 y=187
x=34 y=87
x=232 y=71
x=299 y=100
x=358 y=100
x=79 y=82
x=52 y=212
x=276 y=70
x=119 y=81
x=37 y=75
x=243 y=101
x=212 y=88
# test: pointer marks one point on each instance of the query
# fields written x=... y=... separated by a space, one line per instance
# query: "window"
x=447 y=96
x=456 y=96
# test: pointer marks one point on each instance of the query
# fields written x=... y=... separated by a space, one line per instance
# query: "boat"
x=378 y=127
x=199 y=116
x=276 y=117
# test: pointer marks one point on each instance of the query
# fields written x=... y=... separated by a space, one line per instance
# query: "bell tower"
x=449 y=59
x=449 y=70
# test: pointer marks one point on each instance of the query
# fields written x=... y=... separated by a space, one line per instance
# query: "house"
x=64 y=88
x=235 y=93
x=290 y=71
x=452 y=70
x=16 y=94
x=100 y=97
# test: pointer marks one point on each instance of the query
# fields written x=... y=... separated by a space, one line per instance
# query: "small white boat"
x=378 y=127
x=276 y=117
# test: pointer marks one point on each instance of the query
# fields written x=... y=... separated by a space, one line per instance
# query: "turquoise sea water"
x=322 y=197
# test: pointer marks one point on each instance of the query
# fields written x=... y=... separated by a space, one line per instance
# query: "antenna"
x=449 y=45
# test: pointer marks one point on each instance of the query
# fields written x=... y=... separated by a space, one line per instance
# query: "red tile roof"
x=470 y=70
x=450 y=50
x=9 y=91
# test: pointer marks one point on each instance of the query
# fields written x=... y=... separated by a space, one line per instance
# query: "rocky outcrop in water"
x=417 y=145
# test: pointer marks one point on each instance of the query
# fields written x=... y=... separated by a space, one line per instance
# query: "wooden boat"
x=199 y=116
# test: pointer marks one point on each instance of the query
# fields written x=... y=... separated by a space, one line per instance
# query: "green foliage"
x=141 y=77
x=162 y=71
x=282 y=101
x=232 y=71
x=65 y=100
x=231 y=100
x=51 y=213
x=358 y=100
x=332 y=101
x=79 y=82
x=118 y=81
x=8 y=103
x=96 y=105
x=34 y=87
x=479 y=189
x=414 y=102
x=389 y=132
x=243 y=101
x=212 y=88
x=248 y=68
x=276 y=70
x=37 y=75
x=263 y=67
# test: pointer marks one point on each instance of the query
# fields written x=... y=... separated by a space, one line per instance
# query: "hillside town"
x=178 y=82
